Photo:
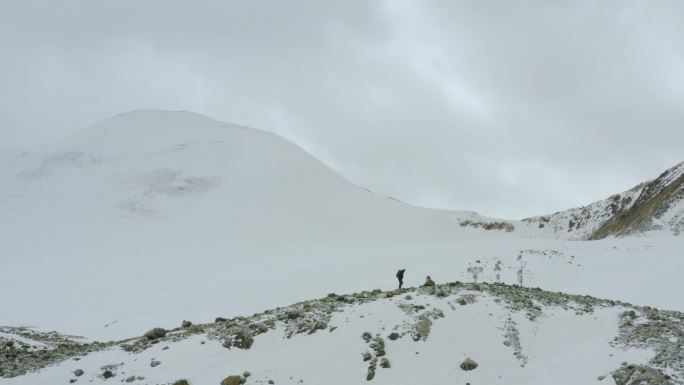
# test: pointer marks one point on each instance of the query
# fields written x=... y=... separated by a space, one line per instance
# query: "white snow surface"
x=153 y=217
x=560 y=348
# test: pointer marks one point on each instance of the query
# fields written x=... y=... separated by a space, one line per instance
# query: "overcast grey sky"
x=509 y=108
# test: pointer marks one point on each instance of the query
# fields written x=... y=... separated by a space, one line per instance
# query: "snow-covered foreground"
x=516 y=336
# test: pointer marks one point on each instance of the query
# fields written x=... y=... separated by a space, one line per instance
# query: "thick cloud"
x=507 y=108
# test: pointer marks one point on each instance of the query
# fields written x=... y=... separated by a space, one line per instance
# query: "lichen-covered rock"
x=366 y=336
x=378 y=346
x=371 y=369
x=181 y=382
x=640 y=375
x=232 y=380
x=468 y=364
x=421 y=329
x=243 y=339
x=155 y=333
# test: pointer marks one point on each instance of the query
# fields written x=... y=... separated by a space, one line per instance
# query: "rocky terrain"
x=653 y=205
x=378 y=332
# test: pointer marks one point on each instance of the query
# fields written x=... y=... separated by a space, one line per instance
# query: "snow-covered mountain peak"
x=149 y=130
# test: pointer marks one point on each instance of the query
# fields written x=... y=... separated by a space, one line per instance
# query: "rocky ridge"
x=653 y=205
x=24 y=351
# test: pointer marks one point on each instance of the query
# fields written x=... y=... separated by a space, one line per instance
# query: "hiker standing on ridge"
x=400 y=277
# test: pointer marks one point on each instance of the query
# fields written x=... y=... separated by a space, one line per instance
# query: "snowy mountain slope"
x=510 y=334
x=153 y=216
x=152 y=175
x=653 y=205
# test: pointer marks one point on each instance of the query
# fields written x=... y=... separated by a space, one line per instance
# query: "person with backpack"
x=400 y=277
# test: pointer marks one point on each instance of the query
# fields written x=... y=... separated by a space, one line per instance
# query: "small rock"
x=242 y=340
x=246 y=374
x=155 y=363
x=107 y=374
x=78 y=372
x=384 y=363
x=393 y=336
x=71 y=381
x=232 y=380
x=468 y=364
x=155 y=333
x=181 y=382
x=130 y=379
x=271 y=382
x=186 y=324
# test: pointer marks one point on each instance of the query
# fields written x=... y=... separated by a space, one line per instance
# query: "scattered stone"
x=155 y=363
x=378 y=346
x=155 y=333
x=294 y=314
x=384 y=362
x=629 y=374
x=232 y=380
x=468 y=364
x=246 y=374
x=371 y=369
x=271 y=382
x=393 y=336
x=243 y=339
x=421 y=329
x=130 y=379
x=366 y=336
x=367 y=356
x=107 y=374
x=181 y=382
x=466 y=299
x=186 y=324
x=78 y=372
x=71 y=381
x=429 y=281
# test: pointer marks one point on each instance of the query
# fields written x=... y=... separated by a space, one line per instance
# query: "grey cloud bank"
x=507 y=108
